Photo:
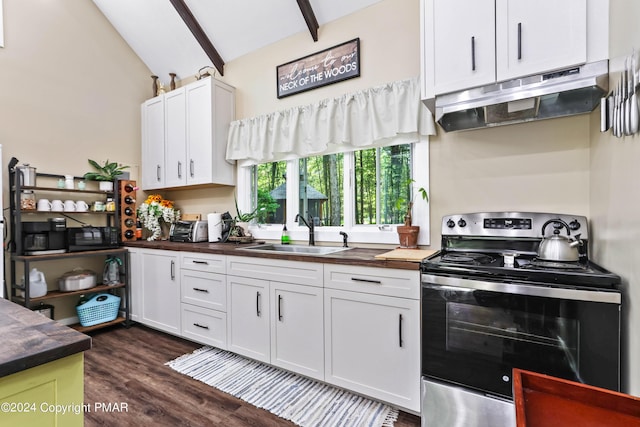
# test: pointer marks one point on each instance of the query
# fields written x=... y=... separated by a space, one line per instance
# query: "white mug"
x=81 y=206
x=69 y=206
x=57 y=206
x=68 y=182
x=43 y=205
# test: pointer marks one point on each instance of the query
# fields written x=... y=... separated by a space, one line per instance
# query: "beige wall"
x=615 y=194
x=70 y=89
x=540 y=166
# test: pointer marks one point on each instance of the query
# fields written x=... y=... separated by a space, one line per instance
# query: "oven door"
x=474 y=333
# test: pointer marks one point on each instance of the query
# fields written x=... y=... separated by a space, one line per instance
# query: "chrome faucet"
x=312 y=234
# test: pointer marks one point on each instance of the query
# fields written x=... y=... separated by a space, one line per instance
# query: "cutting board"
x=415 y=255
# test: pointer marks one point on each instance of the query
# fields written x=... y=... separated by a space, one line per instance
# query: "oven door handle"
x=460 y=284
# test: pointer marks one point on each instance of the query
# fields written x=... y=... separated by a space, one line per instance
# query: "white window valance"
x=386 y=115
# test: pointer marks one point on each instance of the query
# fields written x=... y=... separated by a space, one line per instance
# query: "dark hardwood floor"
x=125 y=369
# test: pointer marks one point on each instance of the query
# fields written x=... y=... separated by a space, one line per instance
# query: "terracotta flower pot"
x=408 y=236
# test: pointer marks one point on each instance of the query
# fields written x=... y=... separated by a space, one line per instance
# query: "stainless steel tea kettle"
x=558 y=247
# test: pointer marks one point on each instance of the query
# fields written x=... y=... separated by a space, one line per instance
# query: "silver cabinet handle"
x=179 y=169
x=473 y=53
x=400 y=343
x=280 y=308
x=206 y=291
x=258 y=304
x=158 y=173
x=200 y=262
x=200 y=326
x=191 y=167
x=173 y=270
x=519 y=40
x=357 y=279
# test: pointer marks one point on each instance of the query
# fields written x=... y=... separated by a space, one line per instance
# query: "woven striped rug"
x=303 y=401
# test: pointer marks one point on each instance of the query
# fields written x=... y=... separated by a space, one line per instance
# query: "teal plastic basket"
x=100 y=308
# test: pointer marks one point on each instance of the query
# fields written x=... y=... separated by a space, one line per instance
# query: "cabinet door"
x=176 y=138
x=533 y=37
x=135 y=284
x=459 y=44
x=248 y=317
x=153 y=143
x=297 y=339
x=161 y=290
x=372 y=346
x=210 y=109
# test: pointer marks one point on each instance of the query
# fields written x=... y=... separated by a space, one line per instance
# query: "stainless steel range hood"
x=567 y=92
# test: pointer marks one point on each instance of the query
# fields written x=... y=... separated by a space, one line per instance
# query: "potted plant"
x=408 y=233
x=105 y=174
x=237 y=231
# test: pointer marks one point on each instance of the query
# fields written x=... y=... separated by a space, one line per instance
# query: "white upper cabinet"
x=185 y=136
x=153 y=143
x=210 y=109
x=175 y=119
x=544 y=35
x=470 y=43
x=460 y=44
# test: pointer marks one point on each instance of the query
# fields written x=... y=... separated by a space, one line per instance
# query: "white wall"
x=615 y=195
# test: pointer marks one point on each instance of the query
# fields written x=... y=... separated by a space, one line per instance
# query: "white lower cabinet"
x=248 y=327
x=203 y=297
x=354 y=327
x=278 y=322
x=204 y=325
x=297 y=339
x=372 y=341
x=135 y=284
x=160 y=290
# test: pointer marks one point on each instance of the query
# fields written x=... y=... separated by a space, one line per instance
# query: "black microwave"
x=92 y=238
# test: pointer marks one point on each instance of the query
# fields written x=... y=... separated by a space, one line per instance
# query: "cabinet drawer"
x=373 y=280
x=203 y=262
x=204 y=326
x=207 y=290
x=299 y=272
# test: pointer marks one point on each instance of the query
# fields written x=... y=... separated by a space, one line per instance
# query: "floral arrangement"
x=154 y=210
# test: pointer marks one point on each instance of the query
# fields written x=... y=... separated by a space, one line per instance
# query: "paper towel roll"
x=215 y=226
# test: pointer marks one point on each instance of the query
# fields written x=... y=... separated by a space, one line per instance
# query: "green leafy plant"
x=107 y=172
x=407 y=205
x=236 y=230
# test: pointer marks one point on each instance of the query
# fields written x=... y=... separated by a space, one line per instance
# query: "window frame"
x=369 y=234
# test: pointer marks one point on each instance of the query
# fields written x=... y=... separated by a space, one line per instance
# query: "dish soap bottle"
x=285 y=236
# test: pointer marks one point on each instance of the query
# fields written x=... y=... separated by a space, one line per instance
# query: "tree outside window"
x=380 y=176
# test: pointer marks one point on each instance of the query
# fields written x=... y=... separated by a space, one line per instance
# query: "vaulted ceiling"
x=182 y=36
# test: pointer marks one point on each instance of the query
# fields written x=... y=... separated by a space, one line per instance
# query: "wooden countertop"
x=354 y=256
x=30 y=339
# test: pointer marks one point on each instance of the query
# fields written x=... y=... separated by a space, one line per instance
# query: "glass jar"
x=28 y=200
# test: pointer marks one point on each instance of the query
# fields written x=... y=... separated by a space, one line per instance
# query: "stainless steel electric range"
x=512 y=289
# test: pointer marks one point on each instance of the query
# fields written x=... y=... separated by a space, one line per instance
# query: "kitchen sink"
x=295 y=249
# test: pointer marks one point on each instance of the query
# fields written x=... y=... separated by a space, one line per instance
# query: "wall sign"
x=319 y=69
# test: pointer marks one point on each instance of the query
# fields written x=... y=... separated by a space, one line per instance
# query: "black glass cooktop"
x=520 y=267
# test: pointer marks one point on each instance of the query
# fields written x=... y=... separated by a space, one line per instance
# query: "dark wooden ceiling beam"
x=309 y=18
x=199 y=34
